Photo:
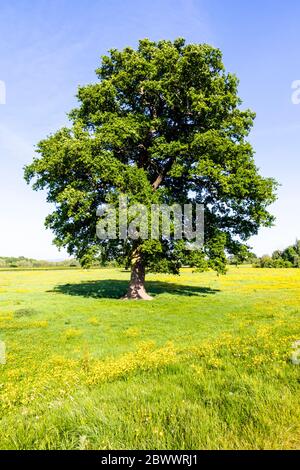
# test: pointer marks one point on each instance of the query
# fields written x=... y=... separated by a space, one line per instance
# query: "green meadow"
x=205 y=365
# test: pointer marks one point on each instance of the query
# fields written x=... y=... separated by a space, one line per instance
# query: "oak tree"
x=163 y=124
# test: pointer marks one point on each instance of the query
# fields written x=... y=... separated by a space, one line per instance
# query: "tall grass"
x=205 y=365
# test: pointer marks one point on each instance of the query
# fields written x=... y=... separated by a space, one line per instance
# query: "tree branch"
x=163 y=174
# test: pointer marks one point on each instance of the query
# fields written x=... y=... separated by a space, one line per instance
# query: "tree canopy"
x=162 y=124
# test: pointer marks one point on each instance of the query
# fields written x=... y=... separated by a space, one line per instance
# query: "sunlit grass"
x=206 y=364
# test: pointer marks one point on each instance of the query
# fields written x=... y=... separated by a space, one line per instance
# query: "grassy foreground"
x=205 y=365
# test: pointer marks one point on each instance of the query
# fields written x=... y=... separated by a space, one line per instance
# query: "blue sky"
x=48 y=48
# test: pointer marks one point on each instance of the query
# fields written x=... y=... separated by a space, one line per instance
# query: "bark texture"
x=136 y=289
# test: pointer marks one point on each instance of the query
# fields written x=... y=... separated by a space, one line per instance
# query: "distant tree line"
x=245 y=257
x=288 y=258
x=23 y=262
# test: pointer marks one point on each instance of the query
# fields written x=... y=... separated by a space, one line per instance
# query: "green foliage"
x=23 y=262
x=288 y=258
x=162 y=124
x=245 y=256
x=268 y=262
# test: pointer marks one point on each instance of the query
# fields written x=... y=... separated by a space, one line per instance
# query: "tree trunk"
x=136 y=289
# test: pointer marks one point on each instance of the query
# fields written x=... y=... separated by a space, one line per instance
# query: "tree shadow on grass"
x=115 y=289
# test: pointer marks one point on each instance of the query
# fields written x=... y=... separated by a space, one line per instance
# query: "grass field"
x=205 y=365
